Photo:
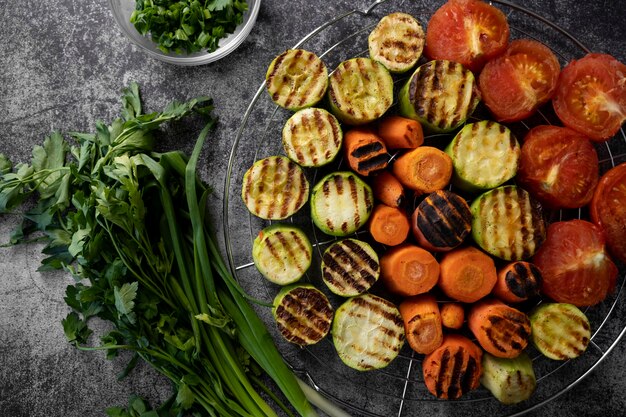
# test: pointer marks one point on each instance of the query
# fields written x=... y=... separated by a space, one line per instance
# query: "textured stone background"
x=62 y=66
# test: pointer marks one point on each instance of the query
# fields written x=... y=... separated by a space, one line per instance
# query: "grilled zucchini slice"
x=485 y=155
x=360 y=91
x=296 y=79
x=440 y=94
x=350 y=267
x=510 y=380
x=507 y=223
x=368 y=332
x=341 y=203
x=274 y=188
x=397 y=42
x=282 y=253
x=559 y=330
x=303 y=314
x=312 y=137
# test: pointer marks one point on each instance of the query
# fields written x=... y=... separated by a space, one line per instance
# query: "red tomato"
x=591 y=96
x=516 y=83
x=469 y=32
x=574 y=264
x=558 y=166
x=608 y=209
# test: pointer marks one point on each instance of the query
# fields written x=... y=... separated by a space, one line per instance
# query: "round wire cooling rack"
x=398 y=390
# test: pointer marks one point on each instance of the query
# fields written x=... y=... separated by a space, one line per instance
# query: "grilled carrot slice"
x=389 y=225
x=454 y=368
x=518 y=281
x=409 y=270
x=452 y=315
x=424 y=169
x=387 y=189
x=365 y=151
x=400 y=132
x=500 y=329
x=467 y=274
x=422 y=323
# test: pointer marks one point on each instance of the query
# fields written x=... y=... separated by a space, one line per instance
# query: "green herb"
x=131 y=226
x=187 y=26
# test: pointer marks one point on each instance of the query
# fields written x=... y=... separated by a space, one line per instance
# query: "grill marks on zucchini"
x=350 y=267
x=282 y=253
x=397 y=42
x=444 y=219
x=560 y=331
x=296 y=79
x=274 y=188
x=303 y=314
x=440 y=94
x=312 y=137
x=368 y=332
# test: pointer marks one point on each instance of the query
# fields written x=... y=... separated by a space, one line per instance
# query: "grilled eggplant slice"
x=282 y=253
x=507 y=223
x=560 y=331
x=368 y=332
x=303 y=314
x=440 y=94
x=510 y=380
x=312 y=137
x=350 y=267
x=360 y=91
x=274 y=188
x=296 y=79
x=397 y=42
x=485 y=155
x=442 y=221
x=341 y=203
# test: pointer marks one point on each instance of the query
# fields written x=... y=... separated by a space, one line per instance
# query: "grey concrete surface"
x=62 y=66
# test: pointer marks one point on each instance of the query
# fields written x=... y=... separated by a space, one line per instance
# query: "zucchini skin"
x=560 y=331
x=397 y=42
x=510 y=380
x=350 y=267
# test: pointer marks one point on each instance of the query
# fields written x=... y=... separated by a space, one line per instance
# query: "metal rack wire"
x=398 y=390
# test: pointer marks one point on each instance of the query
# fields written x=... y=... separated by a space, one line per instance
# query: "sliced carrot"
x=422 y=323
x=389 y=225
x=424 y=169
x=409 y=270
x=467 y=274
x=454 y=368
x=387 y=189
x=499 y=328
x=365 y=151
x=517 y=282
x=452 y=315
x=399 y=132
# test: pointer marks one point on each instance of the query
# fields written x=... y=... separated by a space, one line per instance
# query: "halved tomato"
x=516 y=83
x=574 y=264
x=591 y=96
x=469 y=32
x=608 y=209
x=558 y=166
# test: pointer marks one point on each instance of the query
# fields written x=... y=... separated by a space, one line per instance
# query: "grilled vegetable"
x=282 y=253
x=507 y=223
x=341 y=203
x=440 y=94
x=389 y=225
x=360 y=91
x=510 y=380
x=400 y=132
x=409 y=270
x=350 y=267
x=454 y=368
x=518 y=281
x=388 y=190
x=312 y=137
x=423 y=169
x=422 y=323
x=441 y=221
x=296 y=79
x=467 y=274
x=365 y=151
x=303 y=314
x=397 y=42
x=274 y=188
x=484 y=154
x=452 y=315
x=368 y=332
x=559 y=330
x=500 y=329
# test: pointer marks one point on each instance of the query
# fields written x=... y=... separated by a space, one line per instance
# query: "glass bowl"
x=122 y=9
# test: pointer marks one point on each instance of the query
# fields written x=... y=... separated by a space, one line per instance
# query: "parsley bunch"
x=187 y=26
x=129 y=224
